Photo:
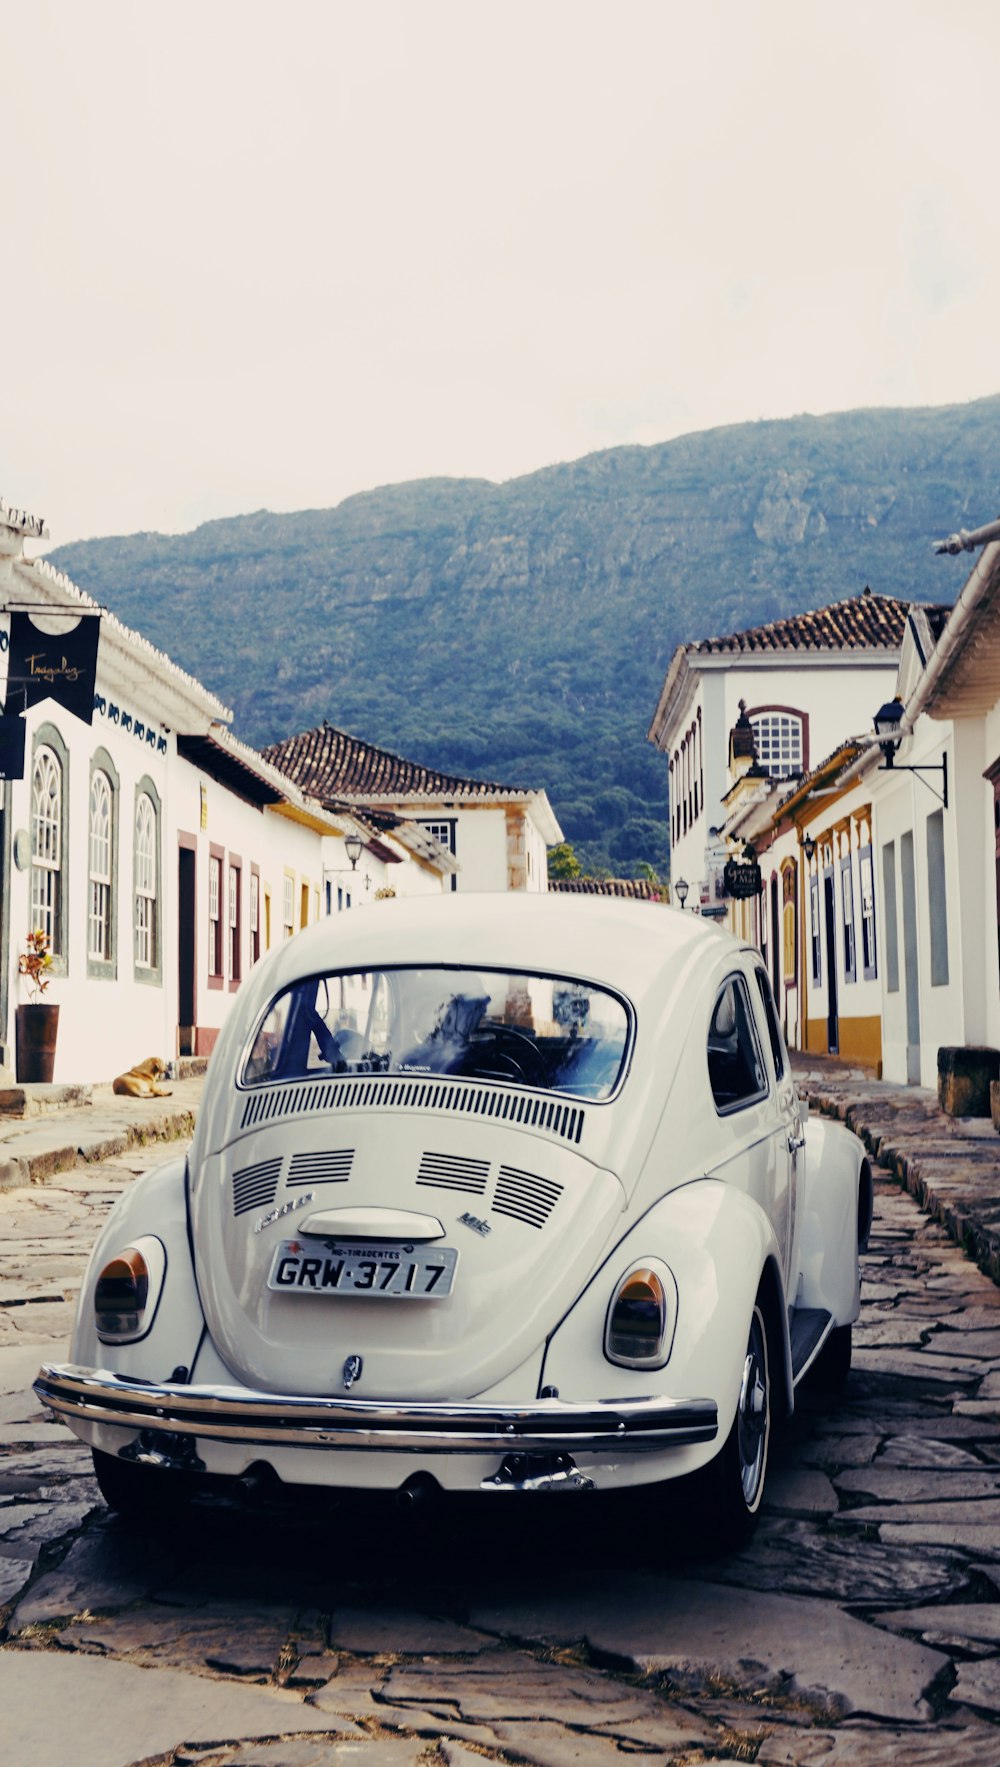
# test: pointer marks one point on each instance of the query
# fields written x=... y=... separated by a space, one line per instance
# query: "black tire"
x=732 y=1485
x=832 y=1366
x=146 y=1494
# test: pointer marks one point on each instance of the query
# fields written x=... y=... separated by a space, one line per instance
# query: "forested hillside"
x=521 y=631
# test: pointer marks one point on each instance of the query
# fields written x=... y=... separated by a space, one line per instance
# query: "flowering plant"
x=34 y=962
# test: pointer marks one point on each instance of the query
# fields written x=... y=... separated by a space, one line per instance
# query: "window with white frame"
x=868 y=961
x=233 y=920
x=99 y=872
x=847 y=898
x=778 y=741
x=214 y=916
x=443 y=832
x=145 y=885
x=254 y=917
x=815 y=940
x=46 y=845
x=288 y=907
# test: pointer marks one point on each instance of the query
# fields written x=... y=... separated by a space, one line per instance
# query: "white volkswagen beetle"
x=501 y=1194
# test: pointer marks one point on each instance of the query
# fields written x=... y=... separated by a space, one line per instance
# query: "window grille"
x=99 y=916
x=144 y=872
x=234 y=923
x=214 y=917
x=867 y=914
x=778 y=741
x=46 y=846
x=254 y=917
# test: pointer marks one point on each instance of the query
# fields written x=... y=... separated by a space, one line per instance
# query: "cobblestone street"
x=861 y=1626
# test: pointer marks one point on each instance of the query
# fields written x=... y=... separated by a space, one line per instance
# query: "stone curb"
x=956 y=1182
x=43 y=1153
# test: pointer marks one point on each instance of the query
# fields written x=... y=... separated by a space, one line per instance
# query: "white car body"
x=504 y=1383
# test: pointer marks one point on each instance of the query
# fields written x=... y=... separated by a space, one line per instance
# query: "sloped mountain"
x=521 y=631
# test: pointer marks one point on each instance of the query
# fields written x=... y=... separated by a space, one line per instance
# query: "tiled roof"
x=862 y=622
x=330 y=764
x=634 y=889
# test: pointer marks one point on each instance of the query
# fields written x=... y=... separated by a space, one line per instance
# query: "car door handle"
x=795 y=1142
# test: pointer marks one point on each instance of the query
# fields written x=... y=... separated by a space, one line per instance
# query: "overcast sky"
x=259 y=255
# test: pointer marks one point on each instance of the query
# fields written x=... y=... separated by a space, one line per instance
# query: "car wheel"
x=734 y=1481
x=141 y=1493
x=832 y=1366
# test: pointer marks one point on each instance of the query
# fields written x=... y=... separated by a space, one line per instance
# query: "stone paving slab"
x=55 y=1707
x=691 y=1632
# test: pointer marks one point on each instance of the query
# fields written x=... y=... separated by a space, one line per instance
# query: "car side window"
x=773 y=1027
x=736 y=1069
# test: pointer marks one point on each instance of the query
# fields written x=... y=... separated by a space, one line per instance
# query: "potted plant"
x=38 y=1021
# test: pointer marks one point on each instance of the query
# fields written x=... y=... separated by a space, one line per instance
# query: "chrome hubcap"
x=753 y=1414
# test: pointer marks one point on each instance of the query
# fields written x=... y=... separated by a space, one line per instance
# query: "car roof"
x=630 y=946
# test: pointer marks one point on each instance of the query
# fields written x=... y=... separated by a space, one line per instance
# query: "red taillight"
x=121 y=1294
x=639 y=1328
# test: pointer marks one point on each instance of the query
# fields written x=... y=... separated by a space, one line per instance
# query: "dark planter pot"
x=36 y=1042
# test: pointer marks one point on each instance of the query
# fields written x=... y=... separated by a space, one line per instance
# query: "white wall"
x=840 y=699
x=113 y=1016
x=902 y=804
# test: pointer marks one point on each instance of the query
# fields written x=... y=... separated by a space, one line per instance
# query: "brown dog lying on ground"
x=141 y=1081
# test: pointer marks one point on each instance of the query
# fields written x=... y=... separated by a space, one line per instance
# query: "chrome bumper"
x=236 y=1414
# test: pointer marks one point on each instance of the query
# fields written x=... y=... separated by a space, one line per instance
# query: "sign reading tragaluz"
x=741 y=878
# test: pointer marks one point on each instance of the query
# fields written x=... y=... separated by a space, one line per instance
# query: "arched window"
x=100 y=848
x=145 y=868
x=47 y=852
x=778 y=738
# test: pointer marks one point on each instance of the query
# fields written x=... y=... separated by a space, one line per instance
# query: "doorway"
x=832 y=1018
x=187 y=1015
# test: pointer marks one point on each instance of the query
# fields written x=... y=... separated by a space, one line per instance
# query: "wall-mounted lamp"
x=352 y=847
x=887 y=721
x=681 y=887
x=809 y=848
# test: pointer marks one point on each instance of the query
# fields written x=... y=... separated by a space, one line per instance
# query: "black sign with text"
x=742 y=878
x=62 y=667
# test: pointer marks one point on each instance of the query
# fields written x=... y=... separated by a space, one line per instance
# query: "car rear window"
x=551 y=1033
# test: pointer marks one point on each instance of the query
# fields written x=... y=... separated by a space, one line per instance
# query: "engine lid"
x=287 y=1226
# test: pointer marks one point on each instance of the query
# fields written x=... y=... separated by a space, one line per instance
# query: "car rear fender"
x=721 y=1249
x=156 y=1204
x=834 y=1217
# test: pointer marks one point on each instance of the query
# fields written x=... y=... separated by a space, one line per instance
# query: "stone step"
x=39 y=1100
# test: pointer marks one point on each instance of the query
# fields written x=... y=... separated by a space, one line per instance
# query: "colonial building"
x=804 y=683
x=160 y=856
x=497 y=835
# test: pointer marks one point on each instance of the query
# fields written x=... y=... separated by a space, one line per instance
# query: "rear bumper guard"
x=237 y=1414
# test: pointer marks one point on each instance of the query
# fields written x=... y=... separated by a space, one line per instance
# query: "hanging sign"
x=12 y=731
x=742 y=878
x=60 y=666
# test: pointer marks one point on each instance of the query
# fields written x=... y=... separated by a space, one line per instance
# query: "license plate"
x=351 y=1267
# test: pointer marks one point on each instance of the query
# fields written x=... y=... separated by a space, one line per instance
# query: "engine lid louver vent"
x=255 y=1186
x=445 y=1171
x=550 y=1116
x=525 y=1196
x=333 y=1167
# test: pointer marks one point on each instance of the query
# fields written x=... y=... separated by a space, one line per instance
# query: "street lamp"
x=682 y=886
x=887 y=721
x=809 y=848
x=352 y=847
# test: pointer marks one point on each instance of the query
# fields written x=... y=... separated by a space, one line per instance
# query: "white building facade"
x=805 y=683
x=161 y=857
